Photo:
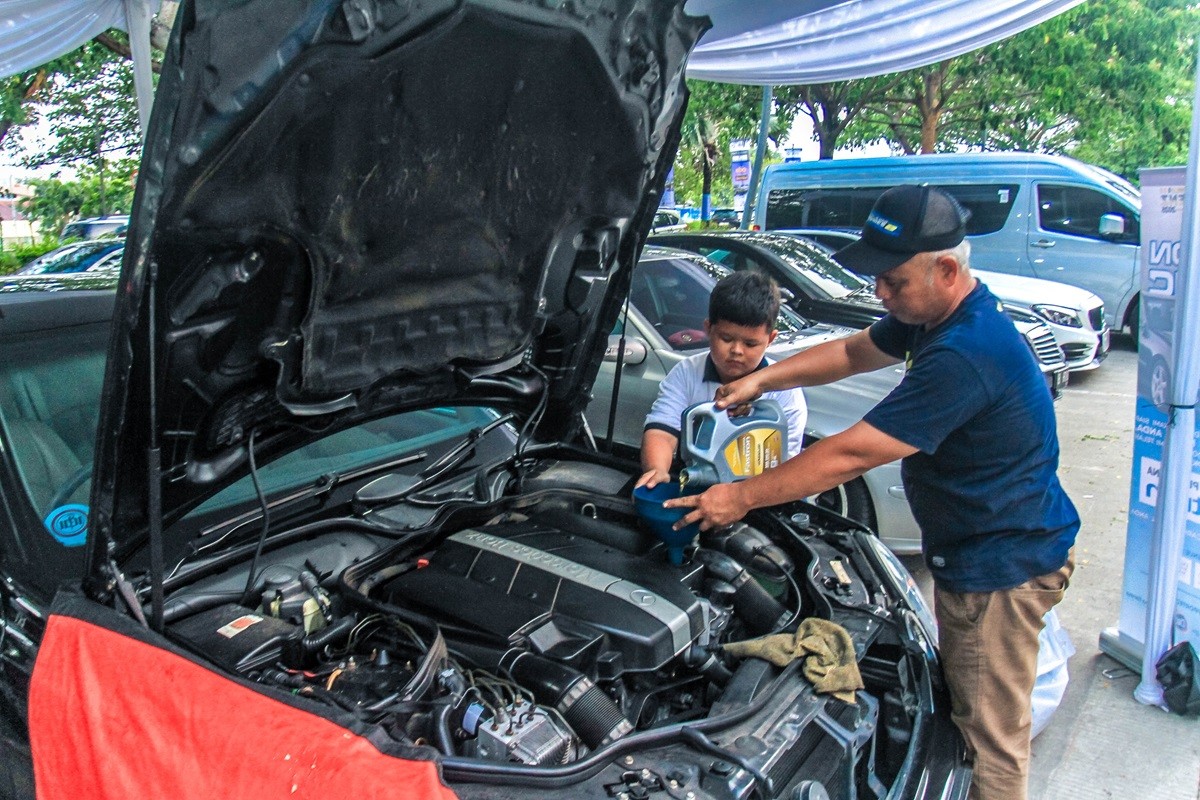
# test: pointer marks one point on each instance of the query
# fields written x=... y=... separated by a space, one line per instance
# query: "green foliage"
x=13 y=258
x=1109 y=83
x=91 y=109
x=101 y=189
x=718 y=113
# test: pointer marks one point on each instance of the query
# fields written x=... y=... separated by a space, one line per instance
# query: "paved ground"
x=1101 y=743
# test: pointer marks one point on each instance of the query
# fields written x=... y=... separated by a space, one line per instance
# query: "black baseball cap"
x=904 y=221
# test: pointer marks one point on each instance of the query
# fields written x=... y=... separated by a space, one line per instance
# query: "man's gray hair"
x=961 y=253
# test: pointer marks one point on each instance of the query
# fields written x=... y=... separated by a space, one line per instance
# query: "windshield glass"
x=72 y=258
x=672 y=294
x=818 y=269
x=50 y=397
x=379 y=441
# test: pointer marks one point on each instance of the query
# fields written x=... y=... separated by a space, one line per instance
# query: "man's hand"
x=721 y=505
x=737 y=395
x=653 y=477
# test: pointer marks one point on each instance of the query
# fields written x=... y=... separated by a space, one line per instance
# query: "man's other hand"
x=719 y=506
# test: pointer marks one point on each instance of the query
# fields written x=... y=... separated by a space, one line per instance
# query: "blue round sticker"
x=68 y=524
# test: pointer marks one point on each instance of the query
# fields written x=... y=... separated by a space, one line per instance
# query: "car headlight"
x=903 y=583
x=1059 y=315
x=1018 y=314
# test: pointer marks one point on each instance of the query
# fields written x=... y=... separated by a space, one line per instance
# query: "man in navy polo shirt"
x=974 y=424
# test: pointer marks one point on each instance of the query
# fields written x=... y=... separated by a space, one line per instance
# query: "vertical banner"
x=1162 y=220
x=668 y=195
x=739 y=165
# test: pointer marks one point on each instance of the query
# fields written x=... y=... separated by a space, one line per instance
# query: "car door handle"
x=1043 y=243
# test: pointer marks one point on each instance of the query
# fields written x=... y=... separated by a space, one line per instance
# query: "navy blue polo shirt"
x=983 y=485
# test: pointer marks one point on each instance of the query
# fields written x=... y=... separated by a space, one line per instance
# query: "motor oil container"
x=718 y=448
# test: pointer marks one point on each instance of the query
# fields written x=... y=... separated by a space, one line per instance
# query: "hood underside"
x=351 y=208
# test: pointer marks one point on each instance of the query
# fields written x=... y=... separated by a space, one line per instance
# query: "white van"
x=1040 y=216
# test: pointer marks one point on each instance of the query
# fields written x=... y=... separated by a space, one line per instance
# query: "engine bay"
x=537 y=638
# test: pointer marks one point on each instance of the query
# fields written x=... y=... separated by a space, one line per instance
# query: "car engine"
x=535 y=631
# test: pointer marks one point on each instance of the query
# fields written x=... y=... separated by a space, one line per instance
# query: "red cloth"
x=112 y=717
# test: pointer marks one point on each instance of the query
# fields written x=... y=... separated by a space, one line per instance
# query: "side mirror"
x=1112 y=225
x=635 y=349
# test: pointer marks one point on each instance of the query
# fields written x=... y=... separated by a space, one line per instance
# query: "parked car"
x=726 y=216
x=93 y=227
x=667 y=219
x=315 y=484
x=77 y=257
x=1074 y=315
x=1038 y=216
x=1155 y=350
x=822 y=289
x=819 y=288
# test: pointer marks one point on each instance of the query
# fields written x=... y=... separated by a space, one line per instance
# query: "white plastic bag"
x=1054 y=648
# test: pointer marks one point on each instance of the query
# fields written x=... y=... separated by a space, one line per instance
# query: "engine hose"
x=629 y=540
x=314 y=642
x=590 y=712
x=558 y=777
x=441 y=729
x=751 y=601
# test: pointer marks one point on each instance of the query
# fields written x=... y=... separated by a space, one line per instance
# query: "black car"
x=819 y=287
x=308 y=505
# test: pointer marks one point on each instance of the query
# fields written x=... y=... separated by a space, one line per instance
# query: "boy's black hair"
x=747 y=298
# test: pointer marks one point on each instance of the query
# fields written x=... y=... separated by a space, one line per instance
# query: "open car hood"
x=348 y=208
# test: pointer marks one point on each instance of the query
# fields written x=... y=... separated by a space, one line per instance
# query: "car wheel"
x=852 y=500
x=1160 y=379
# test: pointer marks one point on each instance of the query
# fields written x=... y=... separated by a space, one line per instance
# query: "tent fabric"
x=774 y=43
x=33 y=32
x=760 y=42
x=114 y=717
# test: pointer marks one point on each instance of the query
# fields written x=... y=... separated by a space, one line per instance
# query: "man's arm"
x=818 y=365
x=658 y=451
x=828 y=463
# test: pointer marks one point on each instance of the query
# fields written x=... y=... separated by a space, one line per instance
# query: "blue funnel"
x=649 y=505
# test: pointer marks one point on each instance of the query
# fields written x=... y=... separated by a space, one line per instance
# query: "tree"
x=92 y=110
x=718 y=113
x=832 y=107
x=1108 y=83
x=56 y=202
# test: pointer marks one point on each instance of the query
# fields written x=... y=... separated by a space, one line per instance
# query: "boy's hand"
x=736 y=395
x=653 y=477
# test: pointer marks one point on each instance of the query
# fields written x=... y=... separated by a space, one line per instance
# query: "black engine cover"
x=554 y=591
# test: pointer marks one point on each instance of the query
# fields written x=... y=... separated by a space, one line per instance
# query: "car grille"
x=1045 y=347
x=1096 y=318
x=1077 y=351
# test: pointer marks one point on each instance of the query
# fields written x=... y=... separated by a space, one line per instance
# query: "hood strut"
x=616 y=388
x=154 y=461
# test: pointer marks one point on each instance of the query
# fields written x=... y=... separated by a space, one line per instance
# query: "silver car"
x=1074 y=315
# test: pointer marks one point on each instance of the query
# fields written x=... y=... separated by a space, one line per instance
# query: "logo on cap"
x=883 y=224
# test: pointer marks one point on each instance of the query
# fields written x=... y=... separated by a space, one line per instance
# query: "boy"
x=742 y=311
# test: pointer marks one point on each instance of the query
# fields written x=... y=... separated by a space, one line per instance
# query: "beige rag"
x=828 y=653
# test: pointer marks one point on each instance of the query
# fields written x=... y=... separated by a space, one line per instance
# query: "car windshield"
x=72 y=258
x=50 y=395
x=672 y=294
x=808 y=263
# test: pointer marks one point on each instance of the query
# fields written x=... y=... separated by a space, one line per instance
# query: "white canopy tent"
x=767 y=42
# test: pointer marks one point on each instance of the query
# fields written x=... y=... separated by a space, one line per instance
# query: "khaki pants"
x=989 y=647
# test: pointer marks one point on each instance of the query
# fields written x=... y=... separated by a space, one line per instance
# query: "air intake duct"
x=590 y=712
